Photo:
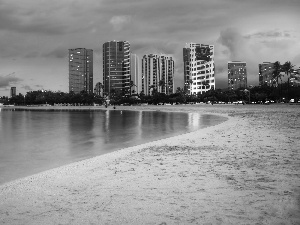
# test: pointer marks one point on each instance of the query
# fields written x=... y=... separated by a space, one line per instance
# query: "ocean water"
x=35 y=141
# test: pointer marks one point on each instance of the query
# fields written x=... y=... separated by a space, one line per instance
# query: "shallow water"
x=34 y=141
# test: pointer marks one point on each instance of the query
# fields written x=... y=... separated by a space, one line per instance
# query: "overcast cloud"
x=8 y=80
x=35 y=35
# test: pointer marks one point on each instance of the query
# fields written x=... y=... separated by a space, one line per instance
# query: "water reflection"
x=33 y=141
x=81 y=132
x=121 y=126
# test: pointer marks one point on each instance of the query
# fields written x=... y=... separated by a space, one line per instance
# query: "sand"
x=243 y=171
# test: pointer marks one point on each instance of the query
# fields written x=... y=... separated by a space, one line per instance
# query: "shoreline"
x=51 y=162
x=242 y=171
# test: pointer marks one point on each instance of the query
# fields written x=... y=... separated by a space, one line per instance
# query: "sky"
x=35 y=35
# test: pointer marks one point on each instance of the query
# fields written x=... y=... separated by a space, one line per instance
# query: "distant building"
x=13 y=91
x=186 y=69
x=295 y=78
x=80 y=70
x=237 y=75
x=136 y=77
x=157 y=74
x=199 y=68
x=116 y=67
x=266 y=70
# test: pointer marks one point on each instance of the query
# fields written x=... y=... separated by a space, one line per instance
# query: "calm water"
x=34 y=141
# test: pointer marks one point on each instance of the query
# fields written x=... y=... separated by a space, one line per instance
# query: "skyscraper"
x=199 y=68
x=13 y=91
x=266 y=70
x=116 y=67
x=80 y=70
x=157 y=74
x=237 y=75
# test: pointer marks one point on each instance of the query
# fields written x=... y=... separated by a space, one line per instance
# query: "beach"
x=245 y=170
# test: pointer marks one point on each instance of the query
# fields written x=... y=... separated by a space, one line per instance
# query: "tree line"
x=257 y=94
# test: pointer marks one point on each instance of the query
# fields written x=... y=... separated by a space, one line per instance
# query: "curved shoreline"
x=206 y=120
x=118 y=153
x=242 y=171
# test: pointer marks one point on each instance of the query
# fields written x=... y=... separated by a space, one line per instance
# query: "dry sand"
x=243 y=171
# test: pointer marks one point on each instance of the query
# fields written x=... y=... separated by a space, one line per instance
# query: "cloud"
x=27 y=88
x=32 y=55
x=6 y=81
x=57 y=53
x=40 y=17
x=234 y=41
x=119 y=21
x=270 y=34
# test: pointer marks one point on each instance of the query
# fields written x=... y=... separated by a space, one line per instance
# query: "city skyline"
x=36 y=36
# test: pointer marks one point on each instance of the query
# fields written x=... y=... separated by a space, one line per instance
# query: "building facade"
x=116 y=67
x=199 y=68
x=237 y=75
x=186 y=66
x=266 y=70
x=80 y=70
x=157 y=74
x=295 y=78
x=136 y=81
x=13 y=91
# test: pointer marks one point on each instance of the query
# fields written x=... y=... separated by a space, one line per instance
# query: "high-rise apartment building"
x=186 y=67
x=157 y=74
x=237 y=75
x=295 y=78
x=116 y=67
x=136 y=85
x=199 y=68
x=266 y=77
x=80 y=70
x=13 y=91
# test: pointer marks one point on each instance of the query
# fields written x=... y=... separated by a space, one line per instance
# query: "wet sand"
x=243 y=171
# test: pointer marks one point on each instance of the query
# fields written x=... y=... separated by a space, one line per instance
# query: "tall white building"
x=157 y=74
x=135 y=73
x=199 y=68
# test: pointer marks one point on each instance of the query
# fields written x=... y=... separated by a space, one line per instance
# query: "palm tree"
x=152 y=87
x=131 y=85
x=287 y=67
x=161 y=84
x=276 y=73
